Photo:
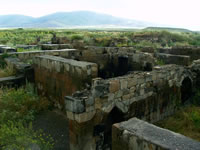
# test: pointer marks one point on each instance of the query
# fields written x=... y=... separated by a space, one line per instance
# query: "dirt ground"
x=55 y=124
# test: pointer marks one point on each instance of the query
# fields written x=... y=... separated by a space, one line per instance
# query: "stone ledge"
x=135 y=130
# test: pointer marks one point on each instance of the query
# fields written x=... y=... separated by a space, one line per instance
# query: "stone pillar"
x=80 y=113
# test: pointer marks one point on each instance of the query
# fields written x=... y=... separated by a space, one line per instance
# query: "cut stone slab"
x=140 y=135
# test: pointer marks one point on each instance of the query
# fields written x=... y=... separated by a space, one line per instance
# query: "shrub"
x=18 y=107
x=5 y=72
x=2 y=60
x=77 y=37
x=21 y=104
x=16 y=135
x=160 y=62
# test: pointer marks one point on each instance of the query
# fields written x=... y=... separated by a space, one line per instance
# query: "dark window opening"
x=115 y=68
x=123 y=66
x=148 y=67
x=186 y=90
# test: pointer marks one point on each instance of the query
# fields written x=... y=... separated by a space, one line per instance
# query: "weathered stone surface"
x=174 y=59
x=12 y=81
x=55 y=46
x=193 y=52
x=84 y=117
x=114 y=86
x=59 y=77
x=141 y=135
x=31 y=54
x=7 y=49
x=74 y=105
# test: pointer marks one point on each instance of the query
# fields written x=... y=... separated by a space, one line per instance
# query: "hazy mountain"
x=171 y=29
x=69 y=19
x=15 y=20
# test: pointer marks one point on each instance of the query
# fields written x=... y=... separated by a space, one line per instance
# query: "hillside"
x=69 y=19
x=167 y=29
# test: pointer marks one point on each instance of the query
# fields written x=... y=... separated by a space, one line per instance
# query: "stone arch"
x=186 y=89
x=115 y=116
x=104 y=130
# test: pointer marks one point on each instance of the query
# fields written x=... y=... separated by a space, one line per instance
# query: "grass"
x=5 y=72
x=117 y=38
x=27 y=50
x=186 y=121
x=160 y=62
x=18 y=108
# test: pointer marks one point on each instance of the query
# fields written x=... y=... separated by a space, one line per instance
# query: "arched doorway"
x=104 y=130
x=186 y=90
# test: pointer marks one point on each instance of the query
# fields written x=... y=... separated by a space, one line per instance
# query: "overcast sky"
x=181 y=13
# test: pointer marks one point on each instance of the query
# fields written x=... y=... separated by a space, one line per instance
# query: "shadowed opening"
x=104 y=131
x=186 y=90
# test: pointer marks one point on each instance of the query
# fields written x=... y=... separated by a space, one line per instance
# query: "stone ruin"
x=100 y=89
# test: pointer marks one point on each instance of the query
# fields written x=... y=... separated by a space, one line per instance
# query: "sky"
x=178 y=13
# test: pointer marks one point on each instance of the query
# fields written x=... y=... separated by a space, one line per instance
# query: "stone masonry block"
x=74 y=105
x=114 y=86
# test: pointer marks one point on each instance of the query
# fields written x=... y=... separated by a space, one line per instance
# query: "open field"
x=97 y=37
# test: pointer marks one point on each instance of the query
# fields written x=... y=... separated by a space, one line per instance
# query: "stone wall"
x=6 y=49
x=20 y=68
x=12 y=81
x=26 y=56
x=174 y=59
x=150 y=96
x=111 y=62
x=193 y=52
x=161 y=86
x=136 y=134
x=55 y=46
x=57 y=77
x=114 y=61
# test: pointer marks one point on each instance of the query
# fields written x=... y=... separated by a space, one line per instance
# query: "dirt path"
x=55 y=124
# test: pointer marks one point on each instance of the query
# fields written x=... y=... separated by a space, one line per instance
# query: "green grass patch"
x=5 y=72
x=186 y=121
x=18 y=108
x=18 y=136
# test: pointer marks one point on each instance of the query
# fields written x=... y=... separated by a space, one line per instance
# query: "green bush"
x=160 y=62
x=76 y=37
x=16 y=135
x=18 y=107
x=21 y=104
x=195 y=117
x=2 y=60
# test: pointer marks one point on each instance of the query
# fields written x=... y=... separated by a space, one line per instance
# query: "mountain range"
x=69 y=19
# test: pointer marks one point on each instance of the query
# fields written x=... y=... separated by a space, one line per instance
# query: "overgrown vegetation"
x=185 y=121
x=25 y=50
x=2 y=60
x=5 y=72
x=118 y=38
x=18 y=108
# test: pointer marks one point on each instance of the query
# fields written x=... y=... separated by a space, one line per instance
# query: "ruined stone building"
x=112 y=95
